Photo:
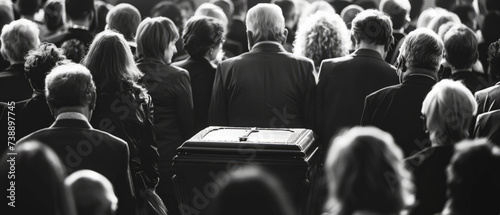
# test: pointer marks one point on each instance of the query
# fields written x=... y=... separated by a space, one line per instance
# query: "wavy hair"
x=322 y=36
x=202 y=33
x=112 y=64
x=40 y=61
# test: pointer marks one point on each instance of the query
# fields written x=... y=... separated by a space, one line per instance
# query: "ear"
x=285 y=35
x=250 y=40
x=92 y=102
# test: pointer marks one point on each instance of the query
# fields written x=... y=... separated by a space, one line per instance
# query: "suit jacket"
x=470 y=80
x=266 y=87
x=202 y=75
x=14 y=86
x=487 y=99
x=80 y=146
x=170 y=89
x=396 y=109
x=429 y=171
x=237 y=32
x=487 y=125
x=72 y=33
x=343 y=86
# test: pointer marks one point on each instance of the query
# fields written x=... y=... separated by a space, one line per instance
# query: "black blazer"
x=429 y=171
x=14 y=86
x=397 y=110
x=79 y=146
x=343 y=85
x=470 y=80
x=266 y=87
x=238 y=32
x=487 y=125
x=202 y=75
x=487 y=99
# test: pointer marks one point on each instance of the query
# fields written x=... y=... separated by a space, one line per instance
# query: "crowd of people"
x=403 y=96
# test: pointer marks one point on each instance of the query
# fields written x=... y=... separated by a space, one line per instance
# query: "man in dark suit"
x=489 y=99
x=71 y=96
x=397 y=109
x=487 y=126
x=18 y=38
x=266 y=87
x=80 y=14
x=399 y=11
x=344 y=82
x=461 y=53
x=237 y=29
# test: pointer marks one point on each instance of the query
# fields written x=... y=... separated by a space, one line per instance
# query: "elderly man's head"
x=422 y=49
x=265 y=22
x=372 y=27
x=18 y=38
x=70 y=86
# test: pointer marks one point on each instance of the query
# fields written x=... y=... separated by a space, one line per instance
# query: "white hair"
x=18 y=37
x=214 y=11
x=422 y=48
x=266 y=22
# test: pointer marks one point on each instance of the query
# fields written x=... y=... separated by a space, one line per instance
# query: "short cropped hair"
x=398 y=10
x=449 y=108
x=28 y=7
x=422 y=48
x=372 y=26
x=40 y=61
x=365 y=171
x=18 y=38
x=266 y=22
x=153 y=37
x=70 y=85
x=321 y=36
x=287 y=7
x=78 y=9
x=202 y=33
x=169 y=10
x=92 y=191
x=460 y=44
x=211 y=10
x=124 y=18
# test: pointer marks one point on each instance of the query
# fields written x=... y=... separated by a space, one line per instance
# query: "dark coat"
x=343 y=85
x=470 y=80
x=238 y=32
x=487 y=99
x=397 y=110
x=79 y=146
x=14 y=86
x=266 y=87
x=488 y=125
x=202 y=75
x=429 y=171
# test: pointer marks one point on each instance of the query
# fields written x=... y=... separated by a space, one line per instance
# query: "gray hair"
x=423 y=48
x=18 y=37
x=266 y=22
x=70 y=85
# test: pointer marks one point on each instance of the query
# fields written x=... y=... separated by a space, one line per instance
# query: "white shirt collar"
x=72 y=115
x=266 y=42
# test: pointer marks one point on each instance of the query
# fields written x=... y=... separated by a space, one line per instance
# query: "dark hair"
x=240 y=6
x=367 y=4
x=463 y=12
x=40 y=61
x=200 y=34
x=460 y=44
x=53 y=14
x=474 y=179
x=494 y=59
x=154 y=36
x=490 y=29
x=287 y=8
x=39 y=180
x=78 y=9
x=74 y=50
x=124 y=18
x=373 y=26
x=416 y=8
x=99 y=23
x=493 y=5
x=398 y=11
x=169 y=10
x=445 y=4
x=28 y=7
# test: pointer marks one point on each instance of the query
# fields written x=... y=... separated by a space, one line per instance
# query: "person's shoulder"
x=107 y=138
x=488 y=116
x=494 y=88
x=385 y=91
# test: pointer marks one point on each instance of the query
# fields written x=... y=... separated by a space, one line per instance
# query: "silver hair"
x=266 y=22
x=422 y=48
x=18 y=38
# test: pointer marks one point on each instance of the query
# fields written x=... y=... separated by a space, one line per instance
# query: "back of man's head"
x=374 y=27
x=266 y=23
x=422 y=49
x=460 y=45
x=288 y=9
x=79 y=9
x=227 y=7
x=70 y=85
x=93 y=193
x=398 y=10
x=240 y=7
x=124 y=18
x=28 y=7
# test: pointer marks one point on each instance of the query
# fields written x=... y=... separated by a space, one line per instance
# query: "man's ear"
x=92 y=102
x=250 y=40
x=285 y=35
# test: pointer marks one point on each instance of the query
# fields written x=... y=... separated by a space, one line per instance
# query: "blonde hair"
x=111 y=63
x=322 y=36
x=365 y=171
x=266 y=22
x=154 y=36
x=449 y=108
x=18 y=38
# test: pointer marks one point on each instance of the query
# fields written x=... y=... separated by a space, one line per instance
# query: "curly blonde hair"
x=322 y=36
